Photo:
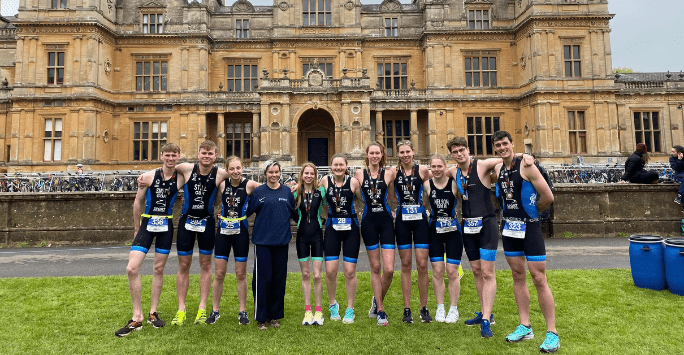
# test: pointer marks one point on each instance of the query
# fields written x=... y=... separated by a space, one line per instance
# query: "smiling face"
x=374 y=155
x=405 y=154
x=308 y=175
x=235 y=170
x=273 y=174
x=503 y=148
x=206 y=157
x=460 y=153
x=437 y=166
x=338 y=166
x=169 y=158
x=673 y=152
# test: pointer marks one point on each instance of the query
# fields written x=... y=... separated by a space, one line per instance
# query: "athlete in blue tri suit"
x=158 y=194
x=445 y=237
x=309 y=201
x=341 y=233
x=232 y=233
x=411 y=228
x=522 y=238
x=377 y=225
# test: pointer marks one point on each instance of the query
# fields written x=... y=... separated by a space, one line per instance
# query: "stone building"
x=106 y=82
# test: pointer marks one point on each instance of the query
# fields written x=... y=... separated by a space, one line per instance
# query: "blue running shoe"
x=349 y=316
x=478 y=319
x=486 y=329
x=551 y=344
x=334 y=311
x=521 y=333
x=373 y=311
x=382 y=318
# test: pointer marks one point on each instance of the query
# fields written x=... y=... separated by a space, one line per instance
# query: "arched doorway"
x=316 y=137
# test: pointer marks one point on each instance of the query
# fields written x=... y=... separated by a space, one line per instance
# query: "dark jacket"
x=633 y=166
x=677 y=167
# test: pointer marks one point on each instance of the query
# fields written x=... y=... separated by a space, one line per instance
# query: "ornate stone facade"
x=102 y=82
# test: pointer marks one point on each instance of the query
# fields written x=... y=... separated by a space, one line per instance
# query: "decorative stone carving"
x=674 y=126
x=107 y=66
x=243 y=6
x=349 y=5
x=275 y=110
x=523 y=61
x=283 y=6
x=355 y=109
x=390 y=6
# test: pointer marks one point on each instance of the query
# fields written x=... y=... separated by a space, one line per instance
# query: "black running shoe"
x=128 y=328
x=678 y=199
x=153 y=318
x=242 y=318
x=425 y=315
x=407 y=318
x=213 y=317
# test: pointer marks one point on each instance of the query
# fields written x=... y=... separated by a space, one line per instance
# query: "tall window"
x=480 y=131
x=325 y=67
x=478 y=19
x=55 y=68
x=391 y=27
x=59 y=4
x=480 y=71
x=238 y=139
x=153 y=23
x=242 y=78
x=151 y=76
x=395 y=132
x=148 y=138
x=52 y=141
x=393 y=75
x=242 y=28
x=647 y=130
x=578 y=132
x=573 y=62
x=316 y=12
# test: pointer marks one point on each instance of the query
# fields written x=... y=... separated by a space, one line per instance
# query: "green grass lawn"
x=598 y=312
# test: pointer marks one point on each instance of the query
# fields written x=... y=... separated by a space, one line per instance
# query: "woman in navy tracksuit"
x=273 y=204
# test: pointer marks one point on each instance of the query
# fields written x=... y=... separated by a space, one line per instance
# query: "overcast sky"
x=646 y=35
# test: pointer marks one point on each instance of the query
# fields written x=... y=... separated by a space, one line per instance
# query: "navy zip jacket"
x=274 y=209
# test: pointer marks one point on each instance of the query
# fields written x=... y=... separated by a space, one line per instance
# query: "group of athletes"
x=437 y=236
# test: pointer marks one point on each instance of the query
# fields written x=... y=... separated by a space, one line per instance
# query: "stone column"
x=92 y=60
x=89 y=120
x=285 y=131
x=221 y=133
x=593 y=35
x=451 y=125
x=14 y=135
x=343 y=60
x=184 y=67
x=608 y=55
x=359 y=62
x=379 y=133
x=365 y=125
x=413 y=126
x=26 y=136
x=72 y=124
x=265 y=138
x=203 y=65
x=275 y=64
x=201 y=128
x=256 y=127
x=448 y=80
x=551 y=43
x=33 y=48
x=20 y=73
x=537 y=63
x=430 y=58
x=432 y=133
x=346 y=129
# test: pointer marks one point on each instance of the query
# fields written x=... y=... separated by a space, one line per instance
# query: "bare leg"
x=454 y=283
x=423 y=280
x=545 y=297
x=220 y=266
x=438 y=281
x=157 y=279
x=476 y=266
x=488 y=290
x=522 y=294
x=306 y=282
x=406 y=282
x=318 y=282
x=387 y=271
x=331 y=267
x=205 y=279
x=183 y=280
x=241 y=276
x=350 y=282
x=376 y=278
x=135 y=259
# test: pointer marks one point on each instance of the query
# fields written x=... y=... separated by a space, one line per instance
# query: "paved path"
x=580 y=253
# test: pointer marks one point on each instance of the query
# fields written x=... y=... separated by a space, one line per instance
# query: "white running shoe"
x=452 y=317
x=440 y=314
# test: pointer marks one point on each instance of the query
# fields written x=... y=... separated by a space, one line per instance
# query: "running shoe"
x=274 y=323
x=308 y=318
x=425 y=315
x=213 y=317
x=262 y=325
x=334 y=311
x=153 y=318
x=486 y=329
x=478 y=319
x=521 y=333
x=242 y=318
x=201 y=316
x=551 y=344
x=318 y=318
x=373 y=311
x=678 y=199
x=349 y=316
x=407 y=317
x=440 y=314
x=382 y=318
x=452 y=317
x=179 y=319
x=128 y=328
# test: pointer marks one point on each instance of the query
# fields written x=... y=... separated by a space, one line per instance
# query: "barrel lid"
x=675 y=242
x=638 y=238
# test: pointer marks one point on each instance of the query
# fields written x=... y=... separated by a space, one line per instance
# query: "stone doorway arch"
x=316 y=137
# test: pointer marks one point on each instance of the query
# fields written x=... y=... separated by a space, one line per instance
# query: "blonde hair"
x=439 y=157
x=399 y=144
x=270 y=164
x=382 y=151
x=300 y=189
x=231 y=159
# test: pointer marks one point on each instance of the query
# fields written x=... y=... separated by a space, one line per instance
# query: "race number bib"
x=196 y=224
x=472 y=225
x=341 y=224
x=230 y=227
x=158 y=224
x=445 y=225
x=515 y=229
x=411 y=212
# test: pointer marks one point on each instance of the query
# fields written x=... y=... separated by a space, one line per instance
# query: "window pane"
x=254 y=71
x=305 y=5
x=147 y=68
x=247 y=151
x=145 y=130
x=398 y=125
x=51 y=76
x=155 y=149
x=654 y=115
x=488 y=125
x=496 y=124
x=647 y=125
x=57 y=156
x=406 y=129
x=469 y=79
x=566 y=52
x=320 y=5
x=155 y=130
x=388 y=128
x=471 y=15
x=575 y=52
x=327 y=5
x=476 y=63
x=60 y=59
x=404 y=70
x=231 y=85
x=492 y=63
x=577 y=72
x=637 y=120
x=478 y=125
x=155 y=83
x=47 y=152
x=229 y=147
x=136 y=150
x=58 y=127
x=138 y=68
x=156 y=68
x=492 y=78
x=147 y=83
x=471 y=126
x=568 y=69
x=60 y=76
x=571 y=120
x=485 y=63
x=485 y=79
x=136 y=130
x=656 y=141
x=580 y=119
x=48 y=128
x=476 y=79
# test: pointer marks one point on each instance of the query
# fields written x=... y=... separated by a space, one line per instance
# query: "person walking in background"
x=634 y=167
x=677 y=166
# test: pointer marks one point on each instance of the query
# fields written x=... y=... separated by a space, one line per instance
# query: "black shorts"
x=411 y=233
x=143 y=240
x=310 y=248
x=334 y=240
x=238 y=242
x=377 y=230
x=532 y=247
x=483 y=245
x=185 y=239
x=454 y=246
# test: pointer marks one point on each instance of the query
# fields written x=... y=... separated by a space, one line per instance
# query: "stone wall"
x=590 y=210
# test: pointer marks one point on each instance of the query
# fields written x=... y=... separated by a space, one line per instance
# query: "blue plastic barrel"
x=647 y=262
x=674 y=265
